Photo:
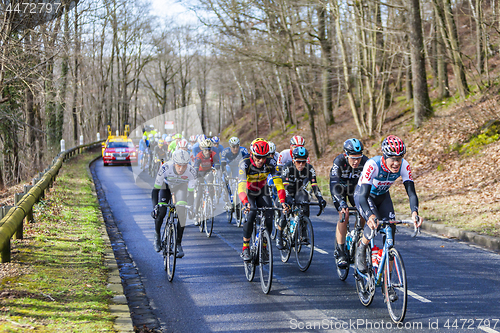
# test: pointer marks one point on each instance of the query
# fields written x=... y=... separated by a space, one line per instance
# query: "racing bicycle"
x=352 y=237
x=169 y=241
x=388 y=273
x=261 y=251
x=298 y=235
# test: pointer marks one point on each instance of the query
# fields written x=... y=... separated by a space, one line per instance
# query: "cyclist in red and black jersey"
x=253 y=190
x=204 y=161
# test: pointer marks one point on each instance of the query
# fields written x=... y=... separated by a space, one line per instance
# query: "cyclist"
x=286 y=155
x=143 y=147
x=217 y=146
x=196 y=147
x=372 y=196
x=205 y=161
x=230 y=159
x=192 y=141
x=178 y=178
x=295 y=176
x=253 y=190
x=270 y=182
x=173 y=145
x=182 y=144
x=344 y=177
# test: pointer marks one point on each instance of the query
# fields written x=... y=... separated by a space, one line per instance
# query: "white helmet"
x=192 y=138
x=201 y=138
x=182 y=144
x=234 y=141
x=181 y=157
x=207 y=143
x=168 y=139
x=272 y=147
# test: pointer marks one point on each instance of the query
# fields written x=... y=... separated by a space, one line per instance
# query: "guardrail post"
x=19 y=231
x=5 y=256
x=29 y=215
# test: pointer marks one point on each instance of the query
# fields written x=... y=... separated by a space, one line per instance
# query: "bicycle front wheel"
x=395 y=288
x=304 y=243
x=209 y=217
x=170 y=251
x=365 y=282
x=342 y=272
x=287 y=243
x=265 y=262
x=250 y=265
x=275 y=222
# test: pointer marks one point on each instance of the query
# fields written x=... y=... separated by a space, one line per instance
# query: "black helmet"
x=353 y=147
x=300 y=153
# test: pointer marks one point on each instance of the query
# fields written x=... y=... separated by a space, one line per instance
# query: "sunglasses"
x=300 y=162
x=260 y=158
x=355 y=158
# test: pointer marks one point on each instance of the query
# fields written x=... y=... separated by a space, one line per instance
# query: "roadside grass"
x=60 y=281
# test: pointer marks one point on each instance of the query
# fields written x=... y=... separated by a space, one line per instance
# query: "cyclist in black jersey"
x=295 y=175
x=344 y=177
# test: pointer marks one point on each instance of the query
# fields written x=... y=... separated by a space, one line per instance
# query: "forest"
x=69 y=68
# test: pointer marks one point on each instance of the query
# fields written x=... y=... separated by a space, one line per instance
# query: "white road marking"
x=418 y=297
x=320 y=250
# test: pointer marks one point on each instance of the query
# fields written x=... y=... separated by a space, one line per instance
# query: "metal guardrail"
x=11 y=225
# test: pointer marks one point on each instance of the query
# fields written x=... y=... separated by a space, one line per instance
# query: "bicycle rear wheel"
x=170 y=251
x=395 y=288
x=250 y=265
x=365 y=283
x=275 y=222
x=287 y=243
x=342 y=272
x=265 y=262
x=304 y=243
x=209 y=217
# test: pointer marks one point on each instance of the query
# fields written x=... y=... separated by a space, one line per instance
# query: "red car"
x=119 y=150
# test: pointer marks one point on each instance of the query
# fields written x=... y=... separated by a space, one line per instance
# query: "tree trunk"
x=421 y=101
x=75 y=79
x=326 y=67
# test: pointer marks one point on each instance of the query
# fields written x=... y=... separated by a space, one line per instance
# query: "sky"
x=172 y=8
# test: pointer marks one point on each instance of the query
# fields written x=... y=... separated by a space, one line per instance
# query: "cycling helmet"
x=234 y=141
x=145 y=137
x=272 y=147
x=207 y=143
x=192 y=138
x=201 y=138
x=259 y=147
x=393 y=146
x=300 y=153
x=182 y=144
x=157 y=135
x=353 y=147
x=168 y=139
x=160 y=143
x=215 y=139
x=177 y=136
x=297 y=140
x=181 y=157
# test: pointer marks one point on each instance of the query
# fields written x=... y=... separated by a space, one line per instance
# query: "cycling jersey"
x=376 y=173
x=219 y=149
x=253 y=179
x=293 y=179
x=344 y=178
x=203 y=163
x=286 y=156
x=169 y=176
x=232 y=160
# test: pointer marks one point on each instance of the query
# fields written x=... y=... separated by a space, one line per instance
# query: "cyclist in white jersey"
x=372 y=195
x=178 y=178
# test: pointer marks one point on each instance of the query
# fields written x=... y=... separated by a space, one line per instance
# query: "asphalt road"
x=454 y=287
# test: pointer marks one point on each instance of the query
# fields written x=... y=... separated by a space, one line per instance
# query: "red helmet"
x=298 y=141
x=393 y=146
x=259 y=147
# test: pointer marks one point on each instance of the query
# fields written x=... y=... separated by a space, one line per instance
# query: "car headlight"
x=108 y=154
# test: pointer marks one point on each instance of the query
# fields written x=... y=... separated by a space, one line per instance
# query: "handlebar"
x=416 y=229
x=385 y=223
x=354 y=209
x=307 y=203
x=264 y=209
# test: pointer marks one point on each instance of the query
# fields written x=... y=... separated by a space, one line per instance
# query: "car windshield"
x=120 y=145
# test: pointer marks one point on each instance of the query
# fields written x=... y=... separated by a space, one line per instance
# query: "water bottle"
x=293 y=223
x=348 y=241
x=374 y=257
x=257 y=238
